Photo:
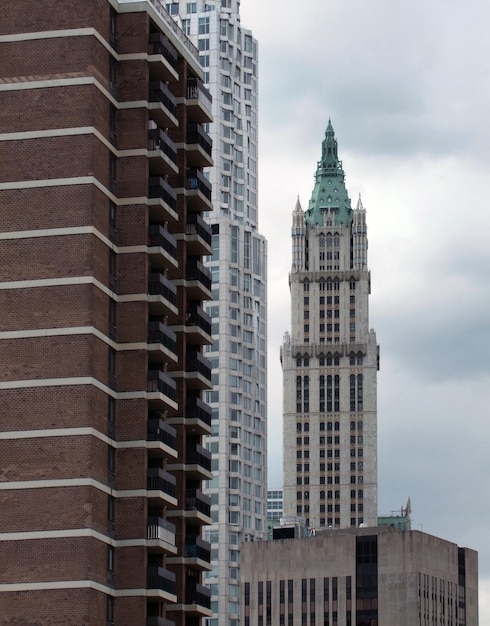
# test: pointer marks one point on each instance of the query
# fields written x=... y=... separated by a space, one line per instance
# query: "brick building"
x=102 y=328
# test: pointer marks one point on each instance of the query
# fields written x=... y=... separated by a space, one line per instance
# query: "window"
x=203 y=28
x=191 y=7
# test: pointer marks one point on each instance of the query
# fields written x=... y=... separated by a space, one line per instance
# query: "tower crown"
x=329 y=196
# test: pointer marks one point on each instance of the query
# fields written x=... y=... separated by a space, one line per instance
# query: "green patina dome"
x=329 y=192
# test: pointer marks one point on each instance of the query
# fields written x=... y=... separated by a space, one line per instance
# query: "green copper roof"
x=329 y=191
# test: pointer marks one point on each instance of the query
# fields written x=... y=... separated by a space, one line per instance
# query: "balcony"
x=195 y=500
x=197 y=548
x=198 y=279
x=199 y=103
x=162 y=105
x=162 y=247
x=163 y=68
x=162 y=342
x=162 y=200
x=199 y=146
x=158 y=430
x=198 y=235
x=162 y=482
x=198 y=462
x=162 y=294
x=162 y=152
x=197 y=370
x=197 y=595
x=197 y=416
x=161 y=530
x=158 y=621
x=160 y=578
x=198 y=191
x=198 y=326
x=161 y=389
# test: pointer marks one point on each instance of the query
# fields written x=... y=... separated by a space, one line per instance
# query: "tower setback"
x=330 y=359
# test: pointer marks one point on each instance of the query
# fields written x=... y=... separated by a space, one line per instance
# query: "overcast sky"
x=407 y=86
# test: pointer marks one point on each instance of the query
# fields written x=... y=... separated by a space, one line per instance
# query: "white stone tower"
x=238 y=265
x=330 y=360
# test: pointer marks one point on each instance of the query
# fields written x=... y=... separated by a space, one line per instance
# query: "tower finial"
x=359 y=206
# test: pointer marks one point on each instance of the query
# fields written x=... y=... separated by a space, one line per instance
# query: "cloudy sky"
x=407 y=86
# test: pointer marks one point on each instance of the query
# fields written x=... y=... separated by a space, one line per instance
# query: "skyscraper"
x=102 y=328
x=238 y=491
x=330 y=359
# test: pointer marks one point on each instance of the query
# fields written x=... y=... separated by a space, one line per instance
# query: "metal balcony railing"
x=159 y=236
x=196 y=454
x=159 y=44
x=160 y=285
x=196 y=362
x=197 y=180
x=161 y=382
x=158 y=430
x=197 y=594
x=160 y=578
x=159 y=188
x=197 y=226
x=159 y=528
x=195 y=500
x=159 y=92
x=160 y=480
x=196 y=316
x=159 y=140
x=158 y=332
x=198 y=409
x=197 y=134
x=197 y=548
x=197 y=271
x=197 y=91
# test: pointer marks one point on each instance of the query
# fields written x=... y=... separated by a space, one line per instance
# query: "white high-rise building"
x=330 y=360
x=238 y=491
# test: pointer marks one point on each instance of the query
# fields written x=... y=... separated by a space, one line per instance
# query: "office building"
x=330 y=359
x=364 y=576
x=102 y=369
x=238 y=491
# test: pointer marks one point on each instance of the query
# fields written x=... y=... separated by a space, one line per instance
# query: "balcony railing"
x=197 y=548
x=159 y=92
x=197 y=180
x=158 y=332
x=195 y=500
x=159 y=236
x=160 y=285
x=197 y=594
x=197 y=226
x=160 y=8
x=158 y=621
x=197 y=317
x=198 y=409
x=159 y=528
x=197 y=91
x=196 y=362
x=159 y=44
x=197 y=271
x=197 y=134
x=159 y=140
x=158 y=430
x=196 y=454
x=159 y=188
x=161 y=382
x=160 y=480
x=159 y=578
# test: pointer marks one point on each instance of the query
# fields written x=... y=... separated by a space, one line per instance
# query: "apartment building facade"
x=102 y=371
x=238 y=265
x=330 y=359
